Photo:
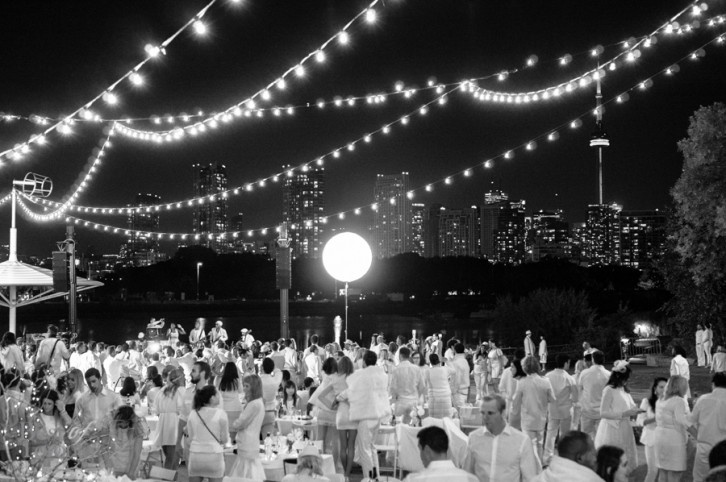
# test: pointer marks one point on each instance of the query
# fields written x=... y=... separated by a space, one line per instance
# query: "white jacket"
x=368 y=394
x=565 y=470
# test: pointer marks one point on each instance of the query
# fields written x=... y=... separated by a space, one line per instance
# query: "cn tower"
x=599 y=138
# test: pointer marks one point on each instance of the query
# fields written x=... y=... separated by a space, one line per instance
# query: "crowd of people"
x=67 y=401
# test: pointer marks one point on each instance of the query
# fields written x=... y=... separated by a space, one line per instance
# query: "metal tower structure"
x=599 y=138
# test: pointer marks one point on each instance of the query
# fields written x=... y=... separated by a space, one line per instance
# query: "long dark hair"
x=8 y=339
x=129 y=387
x=202 y=397
x=230 y=378
x=653 y=397
x=517 y=366
x=289 y=384
x=619 y=379
x=608 y=461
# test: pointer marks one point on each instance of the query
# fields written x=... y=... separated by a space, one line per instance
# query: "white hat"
x=218 y=322
x=245 y=330
x=310 y=451
x=528 y=332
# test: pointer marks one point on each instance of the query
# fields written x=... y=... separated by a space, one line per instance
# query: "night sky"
x=57 y=55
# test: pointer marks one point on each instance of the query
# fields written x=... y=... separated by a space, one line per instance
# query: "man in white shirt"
x=83 y=359
x=450 y=353
x=559 y=417
x=406 y=385
x=201 y=376
x=699 y=346
x=437 y=345
x=531 y=399
x=290 y=357
x=52 y=351
x=96 y=404
x=498 y=452
x=218 y=333
x=197 y=333
x=709 y=420
x=575 y=461
x=529 y=349
x=592 y=383
x=378 y=342
x=542 y=352
x=433 y=447
x=247 y=339
x=313 y=365
x=718 y=364
x=462 y=380
x=368 y=398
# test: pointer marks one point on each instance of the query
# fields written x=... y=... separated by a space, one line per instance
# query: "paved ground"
x=640 y=383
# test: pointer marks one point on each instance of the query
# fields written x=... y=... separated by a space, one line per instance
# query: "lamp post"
x=199 y=265
x=347 y=257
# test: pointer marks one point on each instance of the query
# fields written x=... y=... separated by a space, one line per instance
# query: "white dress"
x=208 y=430
x=247 y=464
x=616 y=431
x=495 y=363
x=168 y=408
x=671 y=418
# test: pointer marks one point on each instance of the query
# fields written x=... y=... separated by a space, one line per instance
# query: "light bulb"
x=343 y=38
x=371 y=15
x=110 y=98
x=200 y=28
x=136 y=78
x=300 y=71
x=320 y=56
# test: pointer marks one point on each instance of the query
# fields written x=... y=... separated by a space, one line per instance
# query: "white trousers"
x=367 y=431
x=700 y=354
x=707 y=346
x=554 y=427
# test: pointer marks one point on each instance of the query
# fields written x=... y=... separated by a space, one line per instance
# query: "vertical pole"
x=598 y=117
x=346 y=310
x=599 y=151
x=71 y=247
x=284 y=279
x=13 y=256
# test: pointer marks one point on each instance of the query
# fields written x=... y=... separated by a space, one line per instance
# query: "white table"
x=274 y=469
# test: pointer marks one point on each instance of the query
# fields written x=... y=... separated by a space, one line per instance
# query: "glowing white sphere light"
x=347 y=257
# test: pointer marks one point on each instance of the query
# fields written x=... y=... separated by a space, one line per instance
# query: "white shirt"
x=461 y=366
x=531 y=398
x=195 y=335
x=699 y=337
x=679 y=366
x=218 y=335
x=247 y=340
x=508 y=456
x=565 y=470
x=542 y=347
x=313 y=366
x=84 y=362
x=592 y=383
x=60 y=353
x=290 y=358
x=709 y=417
x=406 y=381
x=718 y=364
x=441 y=471
x=565 y=390
x=528 y=346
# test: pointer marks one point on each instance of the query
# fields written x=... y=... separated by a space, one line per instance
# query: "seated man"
x=433 y=445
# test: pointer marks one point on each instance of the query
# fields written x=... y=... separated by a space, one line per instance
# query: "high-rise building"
x=141 y=249
x=503 y=230
x=458 y=232
x=303 y=208
x=603 y=234
x=511 y=233
x=392 y=219
x=210 y=217
x=418 y=239
x=549 y=235
x=431 y=231
x=642 y=237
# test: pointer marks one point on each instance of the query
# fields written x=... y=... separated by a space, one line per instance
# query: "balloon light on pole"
x=347 y=257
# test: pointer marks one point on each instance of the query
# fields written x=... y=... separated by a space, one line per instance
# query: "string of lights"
x=249 y=187
x=550 y=135
x=82 y=182
x=236 y=110
x=248 y=108
x=64 y=126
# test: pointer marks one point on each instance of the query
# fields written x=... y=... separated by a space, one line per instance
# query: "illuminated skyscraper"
x=418 y=239
x=642 y=237
x=392 y=219
x=458 y=232
x=503 y=232
x=141 y=249
x=303 y=207
x=431 y=231
x=603 y=234
x=210 y=217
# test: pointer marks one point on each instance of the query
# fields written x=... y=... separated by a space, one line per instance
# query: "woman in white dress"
x=680 y=367
x=671 y=418
x=438 y=388
x=324 y=401
x=481 y=371
x=168 y=404
x=208 y=431
x=646 y=419
x=230 y=389
x=247 y=464
x=173 y=334
x=616 y=409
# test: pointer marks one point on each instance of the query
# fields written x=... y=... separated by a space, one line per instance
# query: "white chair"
x=388 y=448
x=458 y=442
x=160 y=473
x=409 y=456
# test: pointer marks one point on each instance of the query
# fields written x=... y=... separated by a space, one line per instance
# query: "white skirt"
x=247 y=468
x=205 y=464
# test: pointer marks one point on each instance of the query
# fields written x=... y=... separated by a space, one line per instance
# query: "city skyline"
x=407 y=44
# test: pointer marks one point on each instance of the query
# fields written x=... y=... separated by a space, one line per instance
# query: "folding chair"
x=386 y=449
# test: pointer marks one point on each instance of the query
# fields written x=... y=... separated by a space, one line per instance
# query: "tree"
x=696 y=273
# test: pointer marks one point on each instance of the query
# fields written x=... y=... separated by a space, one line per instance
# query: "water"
x=115 y=326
